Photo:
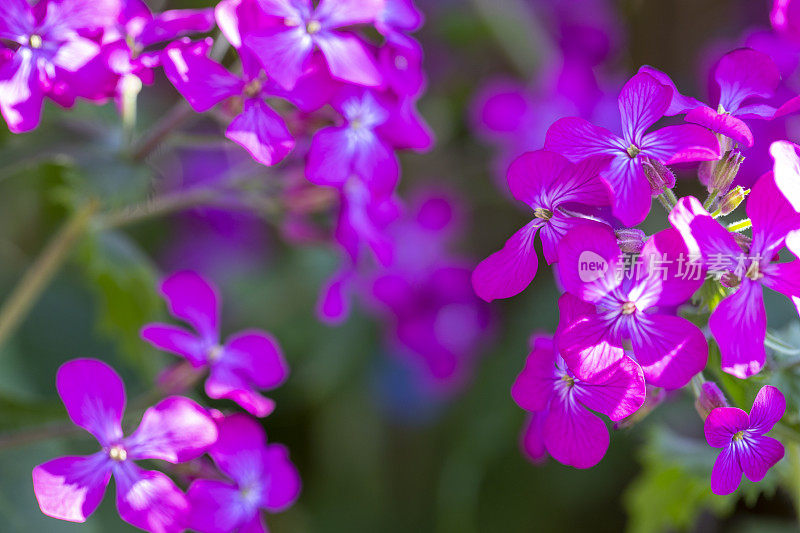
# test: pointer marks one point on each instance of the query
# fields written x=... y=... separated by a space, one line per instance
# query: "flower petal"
x=666 y=255
x=670 y=349
x=174 y=430
x=573 y=435
x=224 y=382
x=532 y=176
x=16 y=19
x=767 y=410
x=618 y=393
x=176 y=340
x=94 y=396
x=723 y=123
x=282 y=52
x=149 y=499
x=588 y=346
x=510 y=270
x=723 y=423
x=679 y=104
x=577 y=139
x=757 y=455
x=257 y=355
x=588 y=257
x=194 y=300
x=743 y=74
x=348 y=59
x=739 y=324
x=71 y=488
x=174 y=23
x=21 y=96
x=535 y=384
x=727 y=474
x=642 y=102
x=262 y=132
x=217 y=507
x=201 y=80
x=772 y=215
x=338 y=13
x=532 y=437
x=787 y=170
x=704 y=237
x=239 y=450
x=284 y=480
x=681 y=144
x=632 y=193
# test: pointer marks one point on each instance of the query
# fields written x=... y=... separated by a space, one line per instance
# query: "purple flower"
x=247 y=361
x=739 y=322
x=175 y=430
x=261 y=477
x=205 y=83
x=642 y=102
x=741 y=437
x=53 y=56
x=284 y=47
x=785 y=18
x=561 y=402
x=546 y=182
x=786 y=170
x=608 y=305
x=743 y=80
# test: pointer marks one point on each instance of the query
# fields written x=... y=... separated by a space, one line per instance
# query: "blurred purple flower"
x=262 y=477
x=247 y=361
x=175 y=430
x=745 y=448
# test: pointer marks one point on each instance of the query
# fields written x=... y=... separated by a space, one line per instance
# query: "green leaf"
x=124 y=280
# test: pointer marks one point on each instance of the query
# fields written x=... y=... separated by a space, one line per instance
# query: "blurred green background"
x=365 y=469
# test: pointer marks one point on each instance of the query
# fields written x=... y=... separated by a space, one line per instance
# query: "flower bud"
x=743 y=241
x=725 y=171
x=732 y=199
x=709 y=399
x=659 y=176
x=630 y=240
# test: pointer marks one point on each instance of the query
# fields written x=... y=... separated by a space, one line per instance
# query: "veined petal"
x=330 y=158
x=282 y=52
x=767 y=410
x=175 y=430
x=257 y=355
x=618 y=393
x=670 y=349
x=577 y=139
x=535 y=384
x=581 y=183
x=642 y=102
x=679 y=104
x=338 y=13
x=723 y=423
x=573 y=435
x=177 y=340
x=532 y=176
x=662 y=255
x=194 y=300
x=704 y=236
x=632 y=194
x=16 y=19
x=726 y=474
x=739 y=324
x=149 y=499
x=723 y=123
x=588 y=257
x=94 y=396
x=509 y=271
x=71 y=488
x=772 y=215
x=588 y=347
x=262 y=132
x=681 y=144
x=348 y=58
x=201 y=80
x=743 y=74
x=757 y=455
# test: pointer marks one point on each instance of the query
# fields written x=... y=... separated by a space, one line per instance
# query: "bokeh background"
x=377 y=453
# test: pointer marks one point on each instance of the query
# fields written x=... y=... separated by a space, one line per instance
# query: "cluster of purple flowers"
x=248 y=474
x=622 y=339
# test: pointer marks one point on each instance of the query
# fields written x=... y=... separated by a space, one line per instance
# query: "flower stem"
x=740 y=225
x=665 y=203
x=712 y=197
x=179 y=114
x=38 y=276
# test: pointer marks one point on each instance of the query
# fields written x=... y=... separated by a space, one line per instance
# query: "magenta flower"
x=355 y=150
x=247 y=361
x=284 y=47
x=786 y=168
x=52 y=56
x=607 y=307
x=785 y=18
x=205 y=83
x=175 y=430
x=739 y=322
x=262 y=477
x=745 y=448
x=562 y=403
x=546 y=182
x=743 y=81
x=642 y=102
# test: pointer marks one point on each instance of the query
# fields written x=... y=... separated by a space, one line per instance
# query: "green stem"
x=665 y=203
x=39 y=275
x=740 y=225
x=174 y=118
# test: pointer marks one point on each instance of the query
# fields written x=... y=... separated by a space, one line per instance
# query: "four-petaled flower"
x=175 y=430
